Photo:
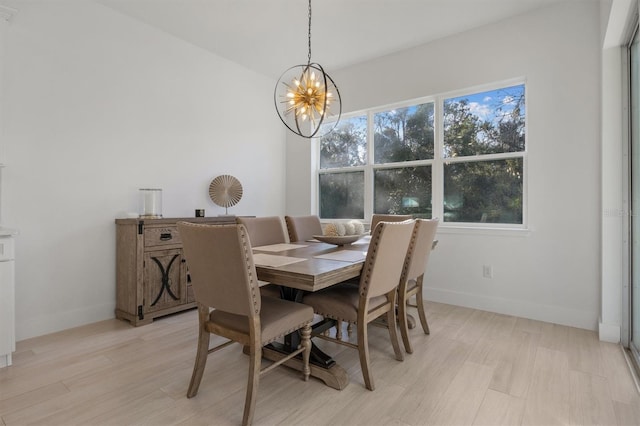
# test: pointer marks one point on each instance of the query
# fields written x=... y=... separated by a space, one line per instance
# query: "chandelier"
x=305 y=95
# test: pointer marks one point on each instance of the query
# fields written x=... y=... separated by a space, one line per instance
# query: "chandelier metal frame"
x=305 y=95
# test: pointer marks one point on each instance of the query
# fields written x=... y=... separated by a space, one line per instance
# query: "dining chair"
x=229 y=304
x=264 y=231
x=303 y=228
x=377 y=218
x=376 y=294
x=420 y=247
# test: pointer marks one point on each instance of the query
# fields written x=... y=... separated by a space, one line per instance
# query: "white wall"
x=301 y=177
x=552 y=272
x=95 y=106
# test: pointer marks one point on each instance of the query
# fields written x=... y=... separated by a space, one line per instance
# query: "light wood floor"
x=476 y=368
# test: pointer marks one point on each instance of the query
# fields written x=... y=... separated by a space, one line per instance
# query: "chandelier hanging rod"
x=305 y=95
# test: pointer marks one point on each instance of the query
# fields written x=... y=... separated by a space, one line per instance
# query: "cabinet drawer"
x=164 y=236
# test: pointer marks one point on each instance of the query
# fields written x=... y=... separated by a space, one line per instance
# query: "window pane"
x=346 y=145
x=485 y=123
x=404 y=134
x=342 y=195
x=483 y=191
x=403 y=191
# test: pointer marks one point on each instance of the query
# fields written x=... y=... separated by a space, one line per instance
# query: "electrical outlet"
x=487 y=271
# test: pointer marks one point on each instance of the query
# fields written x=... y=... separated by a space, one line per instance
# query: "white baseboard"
x=609 y=333
x=45 y=324
x=547 y=313
x=5 y=360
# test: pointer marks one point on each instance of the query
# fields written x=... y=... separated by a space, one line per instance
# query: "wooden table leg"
x=335 y=377
x=321 y=364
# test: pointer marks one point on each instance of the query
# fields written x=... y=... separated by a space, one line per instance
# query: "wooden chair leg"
x=363 y=351
x=305 y=333
x=421 y=311
x=201 y=354
x=404 y=323
x=393 y=332
x=338 y=330
x=255 y=358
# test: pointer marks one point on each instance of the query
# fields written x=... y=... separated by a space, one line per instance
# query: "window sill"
x=493 y=231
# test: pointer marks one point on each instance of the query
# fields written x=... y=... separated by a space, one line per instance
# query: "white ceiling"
x=269 y=36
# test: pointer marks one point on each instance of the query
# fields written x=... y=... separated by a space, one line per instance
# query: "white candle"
x=151 y=202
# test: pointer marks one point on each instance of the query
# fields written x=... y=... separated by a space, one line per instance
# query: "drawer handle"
x=165 y=236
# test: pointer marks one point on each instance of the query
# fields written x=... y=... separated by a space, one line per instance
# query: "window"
x=467 y=151
x=342 y=195
x=483 y=146
x=343 y=153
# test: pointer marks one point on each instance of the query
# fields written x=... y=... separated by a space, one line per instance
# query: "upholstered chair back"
x=377 y=218
x=263 y=231
x=385 y=257
x=420 y=248
x=221 y=266
x=303 y=228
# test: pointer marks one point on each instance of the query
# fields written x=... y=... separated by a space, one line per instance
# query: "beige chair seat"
x=411 y=284
x=276 y=316
x=340 y=302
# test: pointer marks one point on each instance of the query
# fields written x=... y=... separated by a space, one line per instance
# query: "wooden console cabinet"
x=151 y=272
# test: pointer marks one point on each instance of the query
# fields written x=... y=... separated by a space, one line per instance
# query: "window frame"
x=437 y=163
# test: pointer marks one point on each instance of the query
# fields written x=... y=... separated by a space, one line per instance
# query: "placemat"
x=344 y=256
x=279 y=247
x=273 y=261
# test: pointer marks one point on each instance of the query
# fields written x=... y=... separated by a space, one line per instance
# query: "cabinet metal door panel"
x=164 y=280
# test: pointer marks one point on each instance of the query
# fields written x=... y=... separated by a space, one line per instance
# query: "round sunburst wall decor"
x=225 y=191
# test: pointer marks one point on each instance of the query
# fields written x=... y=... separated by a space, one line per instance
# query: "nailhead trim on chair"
x=291 y=330
x=373 y=249
x=247 y=257
x=412 y=243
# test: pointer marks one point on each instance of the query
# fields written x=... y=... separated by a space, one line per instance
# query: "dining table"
x=309 y=266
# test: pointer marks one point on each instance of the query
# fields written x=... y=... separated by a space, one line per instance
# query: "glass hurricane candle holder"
x=150 y=203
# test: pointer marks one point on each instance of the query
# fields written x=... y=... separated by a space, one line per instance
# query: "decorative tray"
x=337 y=240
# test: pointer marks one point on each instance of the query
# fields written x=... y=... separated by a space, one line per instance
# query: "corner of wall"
x=608 y=332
